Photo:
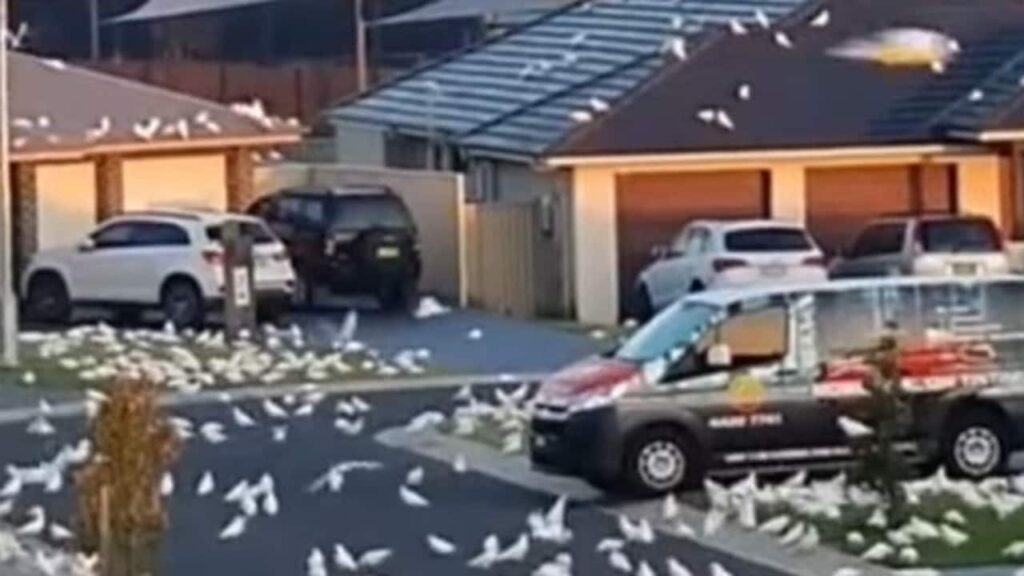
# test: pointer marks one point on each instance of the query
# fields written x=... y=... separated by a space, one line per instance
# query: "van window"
x=757 y=337
x=767 y=240
x=678 y=327
x=880 y=239
x=957 y=236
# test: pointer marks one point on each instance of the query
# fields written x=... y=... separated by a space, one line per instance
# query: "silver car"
x=933 y=245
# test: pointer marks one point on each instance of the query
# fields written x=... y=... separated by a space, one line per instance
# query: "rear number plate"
x=388 y=252
x=773 y=270
x=965 y=269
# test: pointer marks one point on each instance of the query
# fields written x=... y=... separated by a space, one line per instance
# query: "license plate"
x=388 y=252
x=965 y=269
x=773 y=270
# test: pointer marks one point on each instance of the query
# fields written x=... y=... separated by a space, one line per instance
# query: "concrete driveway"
x=504 y=344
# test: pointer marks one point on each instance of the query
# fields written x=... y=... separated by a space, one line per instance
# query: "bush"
x=120 y=512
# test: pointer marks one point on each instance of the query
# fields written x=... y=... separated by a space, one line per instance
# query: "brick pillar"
x=24 y=215
x=240 y=185
x=109 y=187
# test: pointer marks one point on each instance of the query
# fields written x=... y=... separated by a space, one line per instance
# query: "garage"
x=841 y=200
x=652 y=208
x=197 y=181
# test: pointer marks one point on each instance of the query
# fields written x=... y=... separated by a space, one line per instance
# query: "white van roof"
x=728 y=296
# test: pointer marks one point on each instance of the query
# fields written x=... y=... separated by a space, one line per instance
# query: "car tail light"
x=723 y=264
x=814 y=261
x=213 y=257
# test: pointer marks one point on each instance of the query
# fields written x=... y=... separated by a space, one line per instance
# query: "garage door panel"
x=653 y=208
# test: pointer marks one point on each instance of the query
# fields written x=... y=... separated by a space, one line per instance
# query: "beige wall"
x=66 y=203
x=595 y=254
x=595 y=251
x=434 y=198
x=178 y=182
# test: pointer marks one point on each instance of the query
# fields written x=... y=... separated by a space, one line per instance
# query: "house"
x=86 y=146
x=756 y=121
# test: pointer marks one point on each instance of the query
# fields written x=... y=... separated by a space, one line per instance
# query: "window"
x=756 y=337
x=678 y=247
x=880 y=239
x=258 y=232
x=158 y=234
x=961 y=235
x=117 y=235
x=301 y=211
x=698 y=242
x=767 y=240
x=676 y=328
x=364 y=212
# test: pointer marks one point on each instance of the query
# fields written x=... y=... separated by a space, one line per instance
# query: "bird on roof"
x=782 y=39
x=100 y=130
x=743 y=92
x=677 y=22
x=55 y=64
x=16 y=39
x=581 y=116
x=737 y=27
x=762 y=19
x=676 y=46
x=598 y=104
x=723 y=119
x=148 y=129
x=821 y=19
x=976 y=95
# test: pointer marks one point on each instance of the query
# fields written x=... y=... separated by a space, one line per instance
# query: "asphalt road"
x=367 y=513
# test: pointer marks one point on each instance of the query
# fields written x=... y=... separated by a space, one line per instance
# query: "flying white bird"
x=60 y=533
x=517 y=551
x=40 y=426
x=35 y=524
x=713 y=521
x=775 y=525
x=952 y=516
x=360 y=405
x=488 y=556
x=670 y=507
x=213 y=432
x=242 y=418
x=599 y=105
x=206 y=484
x=274 y=410
x=560 y=566
x=349 y=427
x=374 y=558
x=676 y=568
x=234 y=528
x=440 y=546
x=810 y=540
x=415 y=476
x=762 y=19
x=782 y=39
x=793 y=535
x=855 y=539
x=610 y=544
x=878 y=552
x=13 y=485
x=344 y=559
x=166 y=485
x=316 y=563
x=953 y=537
x=459 y=465
x=976 y=95
x=279 y=433
x=854 y=429
x=821 y=19
x=425 y=420
x=743 y=92
x=737 y=27
x=847 y=571
x=644 y=569
x=580 y=116
x=347 y=331
x=618 y=560
x=1015 y=550
x=677 y=47
x=640 y=532
x=271 y=506
x=719 y=570
x=305 y=410
x=908 y=555
x=412 y=498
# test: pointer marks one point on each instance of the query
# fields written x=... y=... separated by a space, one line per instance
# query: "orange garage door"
x=841 y=200
x=652 y=208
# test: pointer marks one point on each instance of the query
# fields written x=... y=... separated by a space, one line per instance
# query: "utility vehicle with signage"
x=757 y=379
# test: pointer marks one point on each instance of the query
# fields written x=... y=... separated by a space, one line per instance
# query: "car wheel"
x=302 y=296
x=697 y=286
x=48 y=299
x=660 y=460
x=976 y=446
x=397 y=295
x=643 y=310
x=182 y=304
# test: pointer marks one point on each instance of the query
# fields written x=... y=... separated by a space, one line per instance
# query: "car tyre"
x=697 y=287
x=660 y=460
x=977 y=445
x=643 y=309
x=182 y=303
x=397 y=295
x=48 y=300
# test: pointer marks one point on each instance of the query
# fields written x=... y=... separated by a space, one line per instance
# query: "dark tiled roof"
x=516 y=93
x=58 y=108
x=804 y=97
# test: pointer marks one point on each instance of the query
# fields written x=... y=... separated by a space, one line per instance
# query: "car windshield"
x=959 y=236
x=258 y=232
x=767 y=240
x=676 y=328
x=371 y=212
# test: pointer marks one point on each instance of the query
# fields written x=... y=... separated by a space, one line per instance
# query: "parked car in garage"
x=927 y=245
x=171 y=260
x=714 y=254
x=732 y=381
x=352 y=240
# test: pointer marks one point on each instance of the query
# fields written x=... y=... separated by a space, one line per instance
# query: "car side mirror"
x=659 y=252
x=86 y=245
x=719 y=356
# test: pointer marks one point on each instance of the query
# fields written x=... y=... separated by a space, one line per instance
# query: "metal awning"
x=161 y=9
x=498 y=11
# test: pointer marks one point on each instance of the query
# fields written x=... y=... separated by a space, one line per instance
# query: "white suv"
x=714 y=254
x=171 y=260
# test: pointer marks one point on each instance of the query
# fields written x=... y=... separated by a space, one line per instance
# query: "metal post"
x=94 y=30
x=360 y=19
x=8 y=306
x=239 y=297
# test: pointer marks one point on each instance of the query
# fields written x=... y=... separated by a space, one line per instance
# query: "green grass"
x=85 y=358
x=989 y=534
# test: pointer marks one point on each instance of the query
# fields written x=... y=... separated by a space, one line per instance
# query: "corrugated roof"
x=803 y=97
x=160 y=9
x=994 y=103
x=494 y=11
x=516 y=92
x=59 y=109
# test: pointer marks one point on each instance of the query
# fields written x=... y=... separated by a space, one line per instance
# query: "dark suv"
x=352 y=240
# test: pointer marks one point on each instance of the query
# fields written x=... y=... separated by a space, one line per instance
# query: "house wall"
x=66 y=203
x=980 y=182
x=198 y=181
x=357 y=144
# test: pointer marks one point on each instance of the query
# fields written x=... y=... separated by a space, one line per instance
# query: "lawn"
x=93 y=355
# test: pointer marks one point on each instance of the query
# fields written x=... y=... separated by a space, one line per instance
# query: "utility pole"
x=8 y=306
x=360 y=19
x=94 y=30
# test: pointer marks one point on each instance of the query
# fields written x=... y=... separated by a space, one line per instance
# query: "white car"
x=171 y=260
x=711 y=254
